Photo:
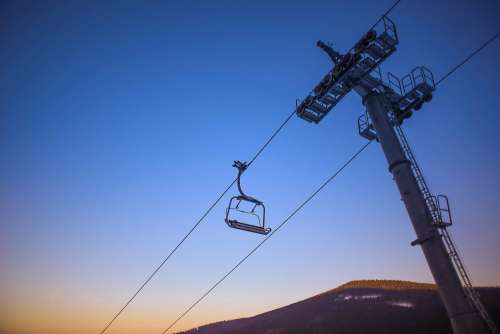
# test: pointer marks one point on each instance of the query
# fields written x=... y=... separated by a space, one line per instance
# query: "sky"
x=120 y=121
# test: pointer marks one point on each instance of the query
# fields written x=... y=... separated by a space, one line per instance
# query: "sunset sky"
x=119 y=123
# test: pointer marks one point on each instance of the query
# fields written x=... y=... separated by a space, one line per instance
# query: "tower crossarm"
x=368 y=53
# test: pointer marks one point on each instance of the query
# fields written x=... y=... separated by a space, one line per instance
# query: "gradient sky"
x=120 y=120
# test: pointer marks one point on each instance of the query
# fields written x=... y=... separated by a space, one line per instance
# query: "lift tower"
x=388 y=103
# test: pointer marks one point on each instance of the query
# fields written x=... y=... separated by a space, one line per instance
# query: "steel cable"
x=275 y=133
x=324 y=184
x=469 y=57
x=193 y=228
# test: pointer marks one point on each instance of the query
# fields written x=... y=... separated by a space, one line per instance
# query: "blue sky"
x=120 y=121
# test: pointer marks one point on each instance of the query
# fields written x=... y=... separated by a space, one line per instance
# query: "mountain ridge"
x=358 y=306
x=385 y=284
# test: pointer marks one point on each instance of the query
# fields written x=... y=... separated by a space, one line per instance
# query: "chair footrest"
x=247 y=227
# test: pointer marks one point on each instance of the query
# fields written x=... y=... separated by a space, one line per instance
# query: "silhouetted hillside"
x=366 y=306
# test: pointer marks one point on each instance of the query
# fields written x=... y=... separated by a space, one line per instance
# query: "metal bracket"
x=420 y=241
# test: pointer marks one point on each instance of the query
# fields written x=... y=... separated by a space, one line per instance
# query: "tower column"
x=464 y=319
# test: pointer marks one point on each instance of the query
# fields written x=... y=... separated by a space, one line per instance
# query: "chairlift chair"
x=257 y=211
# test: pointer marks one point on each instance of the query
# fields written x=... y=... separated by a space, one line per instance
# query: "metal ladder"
x=436 y=214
